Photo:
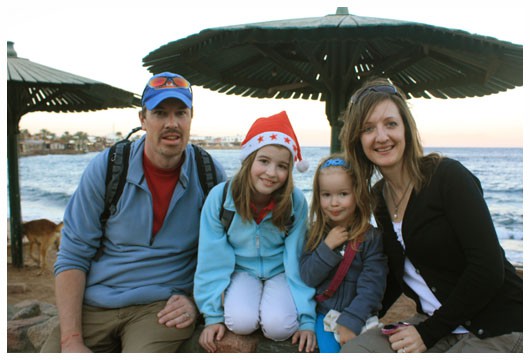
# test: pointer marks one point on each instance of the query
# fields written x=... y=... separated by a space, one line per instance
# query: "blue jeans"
x=325 y=339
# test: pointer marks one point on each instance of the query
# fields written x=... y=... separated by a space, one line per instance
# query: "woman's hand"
x=307 y=340
x=407 y=340
x=180 y=312
x=210 y=334
x=336 y=237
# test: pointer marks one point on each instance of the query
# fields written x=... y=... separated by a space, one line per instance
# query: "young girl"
x=339 y=226
x=248 y=269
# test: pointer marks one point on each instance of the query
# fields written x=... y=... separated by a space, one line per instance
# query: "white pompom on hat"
x=273 y=130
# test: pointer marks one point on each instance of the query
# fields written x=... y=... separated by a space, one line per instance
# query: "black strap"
x=226 y=216
x=117 y=168
x=206 y=169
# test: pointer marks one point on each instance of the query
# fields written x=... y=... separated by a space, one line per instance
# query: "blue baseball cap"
x=164 y=86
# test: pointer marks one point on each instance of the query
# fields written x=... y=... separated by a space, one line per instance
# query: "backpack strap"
x=206 y=169
x=117 y=168
x=341 y=272
x=226 y=216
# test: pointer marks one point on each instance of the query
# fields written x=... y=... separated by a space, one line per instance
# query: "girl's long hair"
x=319 y=224
x=418 y=166
x=242 y=190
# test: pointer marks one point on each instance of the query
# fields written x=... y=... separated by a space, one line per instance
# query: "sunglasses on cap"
x=387 y=89
x=165 y=82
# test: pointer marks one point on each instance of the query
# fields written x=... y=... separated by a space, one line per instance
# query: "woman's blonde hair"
x=363 y=102
x=318 y=221
x=242 y=190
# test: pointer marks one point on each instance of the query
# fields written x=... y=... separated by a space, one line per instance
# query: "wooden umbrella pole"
x=14 y=191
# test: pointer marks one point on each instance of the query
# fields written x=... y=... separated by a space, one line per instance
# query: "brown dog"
x=44 y=233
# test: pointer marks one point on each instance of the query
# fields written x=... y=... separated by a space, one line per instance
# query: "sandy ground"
x=38 y=287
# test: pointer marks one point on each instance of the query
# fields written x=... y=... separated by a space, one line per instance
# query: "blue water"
x=48 y=181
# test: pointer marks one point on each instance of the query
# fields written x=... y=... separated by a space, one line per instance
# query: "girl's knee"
x=279 y=329
x=243 y=323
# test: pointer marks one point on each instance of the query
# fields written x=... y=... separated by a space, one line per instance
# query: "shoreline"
x=518 y=267
x=79 y=152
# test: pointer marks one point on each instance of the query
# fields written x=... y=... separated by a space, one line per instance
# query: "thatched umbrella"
x=328 y=58
x=34 y=87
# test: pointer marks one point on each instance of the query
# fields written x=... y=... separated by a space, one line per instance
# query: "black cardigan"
x=451 y=241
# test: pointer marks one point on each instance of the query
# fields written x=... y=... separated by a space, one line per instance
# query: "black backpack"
x=118 y=166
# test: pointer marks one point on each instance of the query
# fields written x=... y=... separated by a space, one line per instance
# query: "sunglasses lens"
x=169 y=82
x=385 y=88
x=157 y=82
x=180 y=82
x=388 y=89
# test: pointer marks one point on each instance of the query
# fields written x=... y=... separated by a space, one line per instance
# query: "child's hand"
x=307 y=339
x=345 y=334
x=210 y=334
x=336 y=237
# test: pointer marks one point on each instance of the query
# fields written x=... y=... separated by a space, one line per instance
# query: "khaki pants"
x=130 y=329
x=374 y=341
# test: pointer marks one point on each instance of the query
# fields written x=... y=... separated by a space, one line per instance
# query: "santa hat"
x=273 y=130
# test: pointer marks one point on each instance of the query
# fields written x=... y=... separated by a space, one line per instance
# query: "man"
x=136 y=296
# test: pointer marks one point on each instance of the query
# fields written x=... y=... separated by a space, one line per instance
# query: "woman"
x=438 y=235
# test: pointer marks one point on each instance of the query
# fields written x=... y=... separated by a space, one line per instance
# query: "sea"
x=48 y=181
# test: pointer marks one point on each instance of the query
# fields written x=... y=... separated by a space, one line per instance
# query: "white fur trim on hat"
x=268 y=138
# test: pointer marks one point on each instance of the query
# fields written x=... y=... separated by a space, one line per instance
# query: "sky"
x=106 y=41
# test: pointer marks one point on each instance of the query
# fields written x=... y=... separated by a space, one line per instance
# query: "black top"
x=451 y=241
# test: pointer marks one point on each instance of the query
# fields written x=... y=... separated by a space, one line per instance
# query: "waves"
x=58 y=198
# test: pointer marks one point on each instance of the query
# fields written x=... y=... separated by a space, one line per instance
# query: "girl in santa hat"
x=247 y=273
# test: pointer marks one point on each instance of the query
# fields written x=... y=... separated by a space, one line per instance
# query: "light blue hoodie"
x=259 y=249
x=135 y=268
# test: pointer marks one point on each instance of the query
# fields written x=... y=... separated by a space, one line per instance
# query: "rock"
x=38 y=333
x=232 y=343
x=17 y=288
x=17 y=339
x=27 y=312
x=29 y=324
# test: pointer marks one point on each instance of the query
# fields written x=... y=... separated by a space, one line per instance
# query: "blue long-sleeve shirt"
x=259 y=249
x=135 y=267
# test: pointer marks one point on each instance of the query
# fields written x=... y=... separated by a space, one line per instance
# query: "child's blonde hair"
x=242 y=189
x=318 y=225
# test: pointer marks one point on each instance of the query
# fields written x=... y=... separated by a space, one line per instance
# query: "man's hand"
x=307 y=340
x=180 y=312
x=210 y=334
x=73 y=343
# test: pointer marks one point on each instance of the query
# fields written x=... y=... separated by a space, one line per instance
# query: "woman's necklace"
x=396 y=204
